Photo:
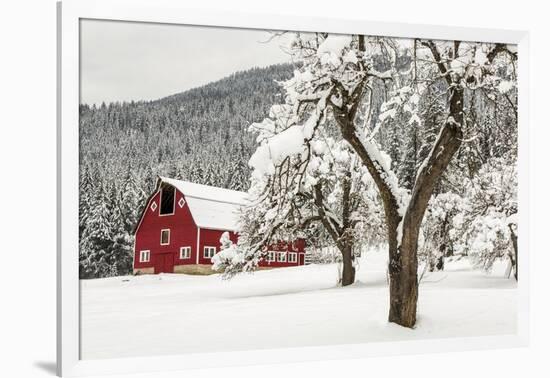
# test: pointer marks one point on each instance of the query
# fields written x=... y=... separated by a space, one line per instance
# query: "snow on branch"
x=330 y=51
x=290 y=141
x=383 y=162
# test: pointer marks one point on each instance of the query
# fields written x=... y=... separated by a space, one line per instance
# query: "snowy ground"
x=289 y=307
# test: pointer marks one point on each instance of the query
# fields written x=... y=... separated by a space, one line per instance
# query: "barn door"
x=302 y=258
x=164 y=263
x=169 y=263
x=159 y=263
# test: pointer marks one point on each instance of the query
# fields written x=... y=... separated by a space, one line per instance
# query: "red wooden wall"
x=183 y=233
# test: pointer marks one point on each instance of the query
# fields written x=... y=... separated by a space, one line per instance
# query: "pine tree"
x=132 y=199
x=86 y=189
x=96 y=241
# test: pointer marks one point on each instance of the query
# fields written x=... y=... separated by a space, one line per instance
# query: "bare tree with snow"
x=323 y=191
x=331 y=90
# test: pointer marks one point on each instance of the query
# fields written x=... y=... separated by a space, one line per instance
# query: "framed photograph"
x=262 y=188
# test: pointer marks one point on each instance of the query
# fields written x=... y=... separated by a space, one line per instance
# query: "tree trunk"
x=340 y=235
x=403 y=288
x=515 y=245
x=440 y=260
x=348 y=272
x=403 y=263
x=440 y=264
x=404 y=275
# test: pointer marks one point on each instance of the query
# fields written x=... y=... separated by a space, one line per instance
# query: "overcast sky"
x=123 y=61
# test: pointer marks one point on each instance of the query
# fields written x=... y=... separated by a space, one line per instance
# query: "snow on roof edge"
x=211 y=207
x=207 y=192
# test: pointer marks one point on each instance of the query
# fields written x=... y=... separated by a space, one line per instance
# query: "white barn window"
x=292 y=257
x=144 y=256
x=281 y=257
x=185 y=253
x=209 y=252
x=271 y=256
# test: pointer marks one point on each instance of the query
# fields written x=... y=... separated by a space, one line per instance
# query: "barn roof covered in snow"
x=211 y=207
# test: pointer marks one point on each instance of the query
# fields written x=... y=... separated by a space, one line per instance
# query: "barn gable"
x=211 y=207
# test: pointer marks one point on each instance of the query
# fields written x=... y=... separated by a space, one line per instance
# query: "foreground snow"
x=289 y=307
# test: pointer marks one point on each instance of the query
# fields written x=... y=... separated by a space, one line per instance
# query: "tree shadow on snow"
x=304 y=290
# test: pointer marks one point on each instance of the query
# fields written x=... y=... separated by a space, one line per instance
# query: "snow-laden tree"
x=96 y=240
x=330 y=91
x=486 y=227
x=321 y=189
x=437 y=229
x=229 y=254
x=86 y=190
x=132 y=199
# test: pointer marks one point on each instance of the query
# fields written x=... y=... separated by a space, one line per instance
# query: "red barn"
x=180 y=228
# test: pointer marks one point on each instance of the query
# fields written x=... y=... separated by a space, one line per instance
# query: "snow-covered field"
x=289 y=307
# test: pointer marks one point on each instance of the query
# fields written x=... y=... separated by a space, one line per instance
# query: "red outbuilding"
x=180 y=229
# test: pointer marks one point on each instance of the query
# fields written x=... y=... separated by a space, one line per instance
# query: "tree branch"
x=437 y=57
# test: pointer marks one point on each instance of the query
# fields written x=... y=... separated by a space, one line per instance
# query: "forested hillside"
x=198 y=135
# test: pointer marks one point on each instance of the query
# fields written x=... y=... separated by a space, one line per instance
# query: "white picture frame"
x=174 y=11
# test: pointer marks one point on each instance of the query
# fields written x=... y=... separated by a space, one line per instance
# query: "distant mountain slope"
x=202 y=129
x=198 y=135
